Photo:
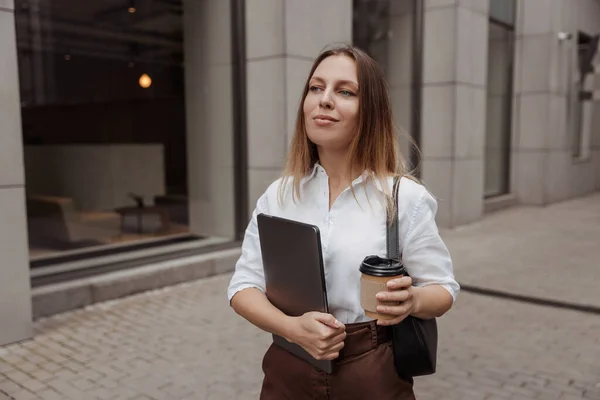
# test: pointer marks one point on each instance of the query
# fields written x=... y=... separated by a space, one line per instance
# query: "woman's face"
x=331 y=105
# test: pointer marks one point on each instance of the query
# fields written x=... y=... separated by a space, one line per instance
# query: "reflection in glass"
x=383 y=29
x=503 y=11
x=499 y=103
x=580 y=113
x=104 y=127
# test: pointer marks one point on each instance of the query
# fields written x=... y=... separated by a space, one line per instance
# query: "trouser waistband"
x=363 y=337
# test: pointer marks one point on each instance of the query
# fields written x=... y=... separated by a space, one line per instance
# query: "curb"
x=60 y=297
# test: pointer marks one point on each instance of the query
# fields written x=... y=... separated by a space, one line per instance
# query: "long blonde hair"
x=374 y=149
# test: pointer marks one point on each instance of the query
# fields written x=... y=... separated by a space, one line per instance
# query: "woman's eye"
x=346 y=93
x=315 y=88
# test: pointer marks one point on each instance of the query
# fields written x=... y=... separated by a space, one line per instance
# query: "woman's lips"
x=324 y=120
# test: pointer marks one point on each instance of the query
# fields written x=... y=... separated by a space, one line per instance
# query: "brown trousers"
x=365 y=369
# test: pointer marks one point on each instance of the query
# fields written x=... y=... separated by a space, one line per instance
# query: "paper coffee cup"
x=375 y=274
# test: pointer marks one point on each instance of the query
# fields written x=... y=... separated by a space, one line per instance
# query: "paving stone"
x=25 y=395
x=49 y=394
x=182 y=342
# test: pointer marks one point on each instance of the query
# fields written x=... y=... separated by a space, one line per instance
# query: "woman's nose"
x=326 y=101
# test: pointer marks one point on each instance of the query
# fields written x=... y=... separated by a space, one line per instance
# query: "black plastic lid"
x=377 y=266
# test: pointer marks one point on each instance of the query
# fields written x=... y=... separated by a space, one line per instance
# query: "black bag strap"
x=393 y=243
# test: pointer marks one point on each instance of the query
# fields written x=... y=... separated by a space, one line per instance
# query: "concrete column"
x=15 y=291
x=454 y=107
x=209 y=113
x=532 y=102
x=283 y=38
x=546 y=69
x=583 y=174
x=595 y=145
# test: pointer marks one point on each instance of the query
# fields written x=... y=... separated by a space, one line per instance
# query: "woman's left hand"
x=399 y=290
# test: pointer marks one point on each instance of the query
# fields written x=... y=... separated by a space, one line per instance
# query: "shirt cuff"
x=233 y=290
x=454 y=290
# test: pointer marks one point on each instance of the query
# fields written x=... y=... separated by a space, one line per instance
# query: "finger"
x=324 y=349
x=329 y=333
x=328 y=320
x=398 y=283
x=337 y=339
x=330 y=356
x=333 y=353
x=336 y=348
x=394 y=295
x=333 y=344
x=325 y=345
x=394 y=310
x=390 y=322
x=326 y=333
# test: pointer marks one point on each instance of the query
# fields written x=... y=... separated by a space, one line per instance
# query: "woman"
x=339 y=176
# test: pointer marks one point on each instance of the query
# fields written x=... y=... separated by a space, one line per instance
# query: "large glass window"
x=503 y=11
x=580 y=95
x=384 y=29
x=118 y=138
x=499 y=101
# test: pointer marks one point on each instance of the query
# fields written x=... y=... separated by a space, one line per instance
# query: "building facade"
x=143 y=133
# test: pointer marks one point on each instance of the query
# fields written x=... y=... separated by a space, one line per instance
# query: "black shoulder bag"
x=414 y=340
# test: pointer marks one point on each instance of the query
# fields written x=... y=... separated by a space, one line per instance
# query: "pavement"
x=184 y=342
x=548 y=253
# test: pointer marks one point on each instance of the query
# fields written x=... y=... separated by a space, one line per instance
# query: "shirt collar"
x=317 y=168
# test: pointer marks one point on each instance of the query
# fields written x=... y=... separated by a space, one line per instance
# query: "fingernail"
x=391 y=285
x=379 y=296
x=337 y=323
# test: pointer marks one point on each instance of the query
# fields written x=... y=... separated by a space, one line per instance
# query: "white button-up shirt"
x=351 y=230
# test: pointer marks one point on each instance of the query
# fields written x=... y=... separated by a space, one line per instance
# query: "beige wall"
x=15 y=293
x=544 y=170
x=454 y=106
x=283 y=38
x=209 y=117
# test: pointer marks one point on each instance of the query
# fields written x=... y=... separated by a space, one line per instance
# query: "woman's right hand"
x=320 y=334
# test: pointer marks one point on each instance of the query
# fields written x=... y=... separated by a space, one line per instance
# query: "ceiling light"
x=145 y=81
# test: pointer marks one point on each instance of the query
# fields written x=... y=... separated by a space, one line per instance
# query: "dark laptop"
x=294 y=275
